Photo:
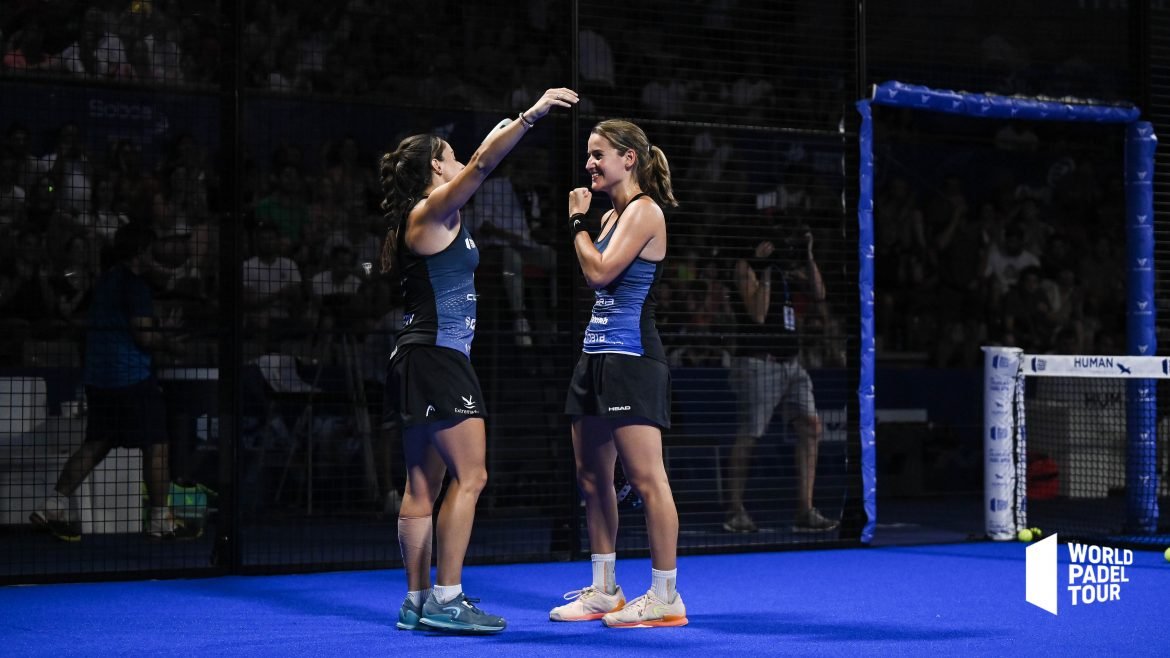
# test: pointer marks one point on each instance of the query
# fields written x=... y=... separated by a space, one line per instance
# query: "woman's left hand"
x=579 y=200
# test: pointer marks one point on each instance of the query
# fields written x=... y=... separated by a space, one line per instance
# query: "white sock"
x=417 y=598
x=604 y=572
x=662 y=584
x=447 y=593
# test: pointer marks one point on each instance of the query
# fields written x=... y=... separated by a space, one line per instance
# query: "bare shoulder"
x=645 y=210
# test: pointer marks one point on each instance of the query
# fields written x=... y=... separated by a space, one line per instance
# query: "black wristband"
x=577 y=223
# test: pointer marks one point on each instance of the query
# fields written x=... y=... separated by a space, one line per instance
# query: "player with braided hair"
x=431 y=389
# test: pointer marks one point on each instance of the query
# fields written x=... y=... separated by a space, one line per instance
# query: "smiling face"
x=606 y=165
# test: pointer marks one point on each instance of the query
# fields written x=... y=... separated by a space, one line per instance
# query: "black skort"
x=620 y=386
x=426 y=384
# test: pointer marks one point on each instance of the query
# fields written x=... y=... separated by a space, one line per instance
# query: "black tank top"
x=439 y=294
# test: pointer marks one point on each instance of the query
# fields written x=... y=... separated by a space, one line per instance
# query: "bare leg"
x=808 y=434
x=424 y=478
x=463 y=448
x=384 y=460
x=596 y=456
x=156 y=473
x=640 y=447
x=81 y=463
x=738 y=468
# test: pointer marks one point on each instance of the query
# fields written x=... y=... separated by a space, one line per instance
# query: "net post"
x=1141 y=467
x=1004 y=446
x=867 y=425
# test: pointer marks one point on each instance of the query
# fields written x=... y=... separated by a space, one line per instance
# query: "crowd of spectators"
x=960 y=262
x=1021 y=244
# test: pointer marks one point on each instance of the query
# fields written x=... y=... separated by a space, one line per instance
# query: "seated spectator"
x=285 y=209
x=272 y=284
x=12 y=196
x=19 y=147
x=333 y=291
x=500 y=225
x=1005 y=263
x=1027 y=312
x=70 y=169
x=25 y=50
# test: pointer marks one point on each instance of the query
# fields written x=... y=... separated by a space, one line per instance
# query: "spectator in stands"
x=767 y=374
x=285 y=208
x=353 y=183
x=105 y=218
x=23 y=304
x=134 y=188
x=1027 y=313
x=499 y=222
x=333 y=291
x=68 y=281
x=12 y=196
x=272 y=284
x=19 y=146
x=25 y=50
x=125 y=403
x=81 y=58
x=70 y=169
x=1005 y=262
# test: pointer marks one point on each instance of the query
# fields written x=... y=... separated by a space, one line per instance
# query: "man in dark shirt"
x=766 y=373
x=125 y=403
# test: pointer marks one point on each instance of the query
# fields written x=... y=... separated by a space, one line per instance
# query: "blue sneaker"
x=408 y=616
x=459 y=615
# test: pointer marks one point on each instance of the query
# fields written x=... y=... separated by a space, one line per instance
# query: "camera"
x=791 y=246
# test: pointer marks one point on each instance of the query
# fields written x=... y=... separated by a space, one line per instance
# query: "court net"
x=1076 y=445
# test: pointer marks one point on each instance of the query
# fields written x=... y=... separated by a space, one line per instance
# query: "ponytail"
x=405 y=175
x=653 y=171
x=657 y=178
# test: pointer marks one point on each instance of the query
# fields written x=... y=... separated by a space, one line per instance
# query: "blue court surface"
x=937 y=600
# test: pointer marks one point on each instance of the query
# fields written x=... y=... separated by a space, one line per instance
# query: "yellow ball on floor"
x=1025 y=535
x=1167 y=555
x=1037 y=533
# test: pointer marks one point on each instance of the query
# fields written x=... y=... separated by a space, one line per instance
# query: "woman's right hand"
x=579 y=200
x=561 y=96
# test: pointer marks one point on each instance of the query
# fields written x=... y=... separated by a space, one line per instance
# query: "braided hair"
x=405 y=174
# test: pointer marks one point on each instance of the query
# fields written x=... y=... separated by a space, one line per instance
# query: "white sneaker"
x=162 y=525
x=588 y=604
x=648 y=611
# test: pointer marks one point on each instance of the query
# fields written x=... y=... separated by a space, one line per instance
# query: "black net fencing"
x=245 y=137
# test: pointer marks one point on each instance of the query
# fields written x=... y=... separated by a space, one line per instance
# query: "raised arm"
x=448 y=197
x=755 y=290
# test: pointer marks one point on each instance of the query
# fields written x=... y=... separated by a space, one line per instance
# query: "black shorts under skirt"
x=620 y=386
x=132 y=416
x=426 y=384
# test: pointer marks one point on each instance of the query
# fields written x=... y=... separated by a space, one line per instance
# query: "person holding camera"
x=766 y=373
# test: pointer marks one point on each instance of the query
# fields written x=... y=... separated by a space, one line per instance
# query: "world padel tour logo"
x=1095 y=574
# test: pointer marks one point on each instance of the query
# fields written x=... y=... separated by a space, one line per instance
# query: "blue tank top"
x=439 y=294
x=623 y=310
